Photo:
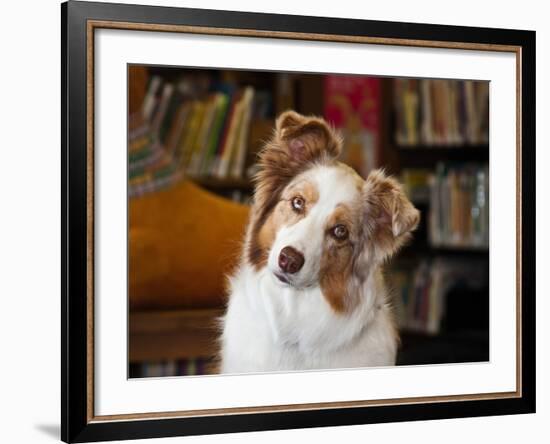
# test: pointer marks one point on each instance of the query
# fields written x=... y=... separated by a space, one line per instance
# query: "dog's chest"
x=284 y=313
x=268 y=327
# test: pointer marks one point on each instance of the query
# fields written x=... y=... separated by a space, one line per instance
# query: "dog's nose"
x=290 y=260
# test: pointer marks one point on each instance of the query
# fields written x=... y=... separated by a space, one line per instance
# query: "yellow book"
x=190 y=132
x=228 y=151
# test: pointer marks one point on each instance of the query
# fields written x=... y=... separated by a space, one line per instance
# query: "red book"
x=352 y=104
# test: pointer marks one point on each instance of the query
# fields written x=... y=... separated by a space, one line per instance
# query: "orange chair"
x=182 y=243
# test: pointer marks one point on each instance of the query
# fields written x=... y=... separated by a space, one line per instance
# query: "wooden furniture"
x=182 y=241
x=173 y=334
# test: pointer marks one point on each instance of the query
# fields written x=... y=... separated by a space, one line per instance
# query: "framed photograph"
x=276 y=221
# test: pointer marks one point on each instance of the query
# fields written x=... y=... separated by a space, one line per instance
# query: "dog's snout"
x=290 y=260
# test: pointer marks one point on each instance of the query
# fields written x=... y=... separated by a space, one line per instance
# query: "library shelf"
x=429 y=156
x=214 y=184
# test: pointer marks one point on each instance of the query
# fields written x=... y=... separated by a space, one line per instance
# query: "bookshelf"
x=174 y=341
x=176 y=334
x=219 y=185
x=400 y=149
x=270 y=94
x=429 y=156
x=448 y=335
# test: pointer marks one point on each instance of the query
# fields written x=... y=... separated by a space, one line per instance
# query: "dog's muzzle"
x=290 y=260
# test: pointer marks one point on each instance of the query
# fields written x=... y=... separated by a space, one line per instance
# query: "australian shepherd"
x=309 y=292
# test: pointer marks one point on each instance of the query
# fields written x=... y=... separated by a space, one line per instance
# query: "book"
x=241 y=142
x=174 y=103
x=421 y=290
x=235 y=98
x=426 y=113
x=211 y=147
x=459 y=206
x=410 y=105
x=150 y=99
x=200 y=144
x=176 y=130
x=470 y=112
x=160 y=113
x=191 y=130
x=352 y=104
x=229 y=137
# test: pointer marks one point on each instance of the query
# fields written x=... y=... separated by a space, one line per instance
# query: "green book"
x=222 y=102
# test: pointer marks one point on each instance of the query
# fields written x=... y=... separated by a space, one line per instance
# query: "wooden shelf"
x=410 y=334
x=214 y=184
x=174 y=334
x=429 y=156
x=444 y=147
x=432 y=250
x=477 y=249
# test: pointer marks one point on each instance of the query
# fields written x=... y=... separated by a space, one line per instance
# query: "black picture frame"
x=76 y=423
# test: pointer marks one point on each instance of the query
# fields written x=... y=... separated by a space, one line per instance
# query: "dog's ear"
x=305 y=138
x=390 y=216
x=297 y=142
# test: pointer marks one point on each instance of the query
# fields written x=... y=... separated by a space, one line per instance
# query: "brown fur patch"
x=304 y=189
x=389 y=215
x=344 y=215
x=297 y=143
x=337 y=260
x=378 y=224
x=336 y=270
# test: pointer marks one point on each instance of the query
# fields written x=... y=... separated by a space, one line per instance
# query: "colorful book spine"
x=436 y=112
x=229 y=138
x=164 y=102
x=150 y=99
x=199 y=147
x=459 y=207
x=189 y=138
x=420 y=290
x=214 y=137
x=237 y=169
x=204 y=136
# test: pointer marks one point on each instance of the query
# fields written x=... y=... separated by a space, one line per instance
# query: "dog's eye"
x=298 y=204
x=340 y=232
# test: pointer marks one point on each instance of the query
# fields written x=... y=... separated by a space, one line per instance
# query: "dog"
x=309 y=291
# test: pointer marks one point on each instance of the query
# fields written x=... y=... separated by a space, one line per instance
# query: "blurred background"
x=193 y=136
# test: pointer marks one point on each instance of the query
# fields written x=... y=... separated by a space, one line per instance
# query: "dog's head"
x=315 y=221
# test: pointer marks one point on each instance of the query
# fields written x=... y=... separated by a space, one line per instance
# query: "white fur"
x=272 y=326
